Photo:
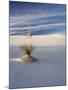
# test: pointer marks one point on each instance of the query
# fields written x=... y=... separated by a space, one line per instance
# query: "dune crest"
x=39 y=40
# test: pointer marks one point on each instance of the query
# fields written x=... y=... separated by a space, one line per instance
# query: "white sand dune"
x=49 y=70
x=39 y=40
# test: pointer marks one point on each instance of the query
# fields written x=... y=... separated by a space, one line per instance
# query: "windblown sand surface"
x=49 y=70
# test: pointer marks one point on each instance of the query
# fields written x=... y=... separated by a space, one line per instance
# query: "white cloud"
x=46 y=26
x=28 y=18
x=31 y=18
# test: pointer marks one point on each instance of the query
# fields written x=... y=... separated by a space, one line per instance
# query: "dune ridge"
x=39 y=40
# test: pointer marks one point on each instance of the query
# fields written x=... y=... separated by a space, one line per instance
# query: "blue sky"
x=45 y=19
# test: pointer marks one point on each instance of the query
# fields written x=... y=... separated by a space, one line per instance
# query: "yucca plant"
x=28 y=50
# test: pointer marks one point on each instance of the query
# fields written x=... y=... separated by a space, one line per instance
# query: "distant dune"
x=39 y=40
